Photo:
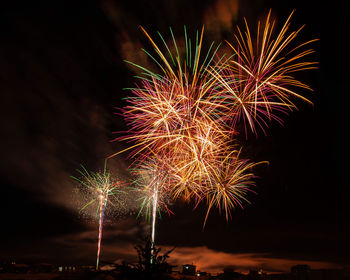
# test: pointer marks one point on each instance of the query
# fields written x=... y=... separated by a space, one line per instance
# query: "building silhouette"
x=189 y=269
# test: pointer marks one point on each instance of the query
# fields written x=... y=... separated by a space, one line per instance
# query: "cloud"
x=131 y=50
x=46 y=164
x=120 y=238
x=215 y=261
x=220 y=16
x=49 y=133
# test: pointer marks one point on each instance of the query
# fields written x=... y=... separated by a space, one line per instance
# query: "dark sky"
x=62 y=75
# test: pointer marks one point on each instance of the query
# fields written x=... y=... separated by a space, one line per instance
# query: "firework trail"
x=104 y=191
x=103 y=202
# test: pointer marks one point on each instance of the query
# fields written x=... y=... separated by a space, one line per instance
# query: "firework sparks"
x=183 y=121
x=163 y=107
x=176 y=118
x=151 y=182
x=104 y=191
x=260 y=75
x=231 y=181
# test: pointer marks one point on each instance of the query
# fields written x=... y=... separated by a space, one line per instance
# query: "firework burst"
x=183 y=120
x=260 y=77
x=104 y=191
x=151 y=183
x=163 y=107
x=180 y=118
x=231 y=181
x=179 y=128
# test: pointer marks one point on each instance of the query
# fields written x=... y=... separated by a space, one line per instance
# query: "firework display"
x=183 y=119
x=149 y=179
x=260 y=75
x=103 y=191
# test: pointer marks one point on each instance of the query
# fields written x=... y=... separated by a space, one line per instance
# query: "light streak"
x=103 y=203
x=154 y=216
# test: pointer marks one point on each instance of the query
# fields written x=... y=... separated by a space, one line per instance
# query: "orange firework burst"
x=260 y=77
x=182 y=122
x=166 y=108
x=231 y=181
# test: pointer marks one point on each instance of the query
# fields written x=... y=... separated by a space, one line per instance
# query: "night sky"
x=62 y=76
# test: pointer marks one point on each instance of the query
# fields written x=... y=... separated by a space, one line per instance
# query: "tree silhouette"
x=150 y=261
